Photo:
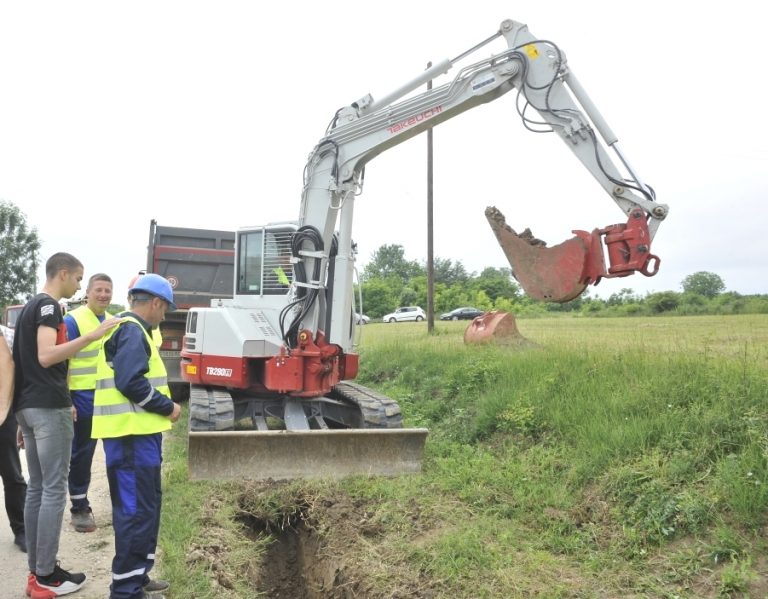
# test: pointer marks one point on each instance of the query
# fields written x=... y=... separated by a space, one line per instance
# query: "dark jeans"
x=83 y=448
x=14 y=484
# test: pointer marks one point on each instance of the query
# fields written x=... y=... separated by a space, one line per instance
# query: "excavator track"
x=377 y=410
x=210 y=409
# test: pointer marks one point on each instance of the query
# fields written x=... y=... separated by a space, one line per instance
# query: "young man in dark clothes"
x=44 y=412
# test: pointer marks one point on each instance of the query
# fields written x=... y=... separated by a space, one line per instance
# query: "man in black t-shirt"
x=44 y=412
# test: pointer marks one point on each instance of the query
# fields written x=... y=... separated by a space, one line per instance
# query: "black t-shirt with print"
x=35 y=386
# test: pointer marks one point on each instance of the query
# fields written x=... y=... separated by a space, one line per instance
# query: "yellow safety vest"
x=282 y=278
x=82 y=366
x=157 y=337
x=114 y=415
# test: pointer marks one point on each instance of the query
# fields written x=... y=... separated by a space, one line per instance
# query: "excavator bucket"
x=553 y=274
x=561 y=273
x=494 y=327
x=281 y=454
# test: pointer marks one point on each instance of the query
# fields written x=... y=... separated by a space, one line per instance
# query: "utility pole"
x=430 y=256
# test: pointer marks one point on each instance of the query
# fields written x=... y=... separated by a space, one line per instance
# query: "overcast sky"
x=202 y=114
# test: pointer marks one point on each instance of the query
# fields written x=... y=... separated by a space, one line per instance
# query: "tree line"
x=389 y=280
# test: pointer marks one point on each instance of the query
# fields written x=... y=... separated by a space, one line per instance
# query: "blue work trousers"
x=83 y=448
x=133 y=470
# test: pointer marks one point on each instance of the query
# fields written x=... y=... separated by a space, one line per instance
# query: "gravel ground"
x=80 y=552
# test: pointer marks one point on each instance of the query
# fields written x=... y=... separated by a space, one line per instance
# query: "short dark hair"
x=61 y=261
x=137 y=297
x=99 y=276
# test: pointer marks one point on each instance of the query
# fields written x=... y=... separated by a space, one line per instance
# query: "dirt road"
x=81 y=552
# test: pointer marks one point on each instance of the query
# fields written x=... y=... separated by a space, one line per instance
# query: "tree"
x=664 y=301
x=704 y=283
x=379 y=297
x=390 y=260
x=19 y=255
x=496 y=283
x=448 y=272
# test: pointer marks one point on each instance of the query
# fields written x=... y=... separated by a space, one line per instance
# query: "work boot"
x=83 y=521
x=156 y=586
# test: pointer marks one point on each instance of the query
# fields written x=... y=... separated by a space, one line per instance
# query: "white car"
x=405 y=313
x=361 y=319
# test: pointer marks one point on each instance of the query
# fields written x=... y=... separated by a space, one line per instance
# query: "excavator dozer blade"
x=281 y=455
x=550 y=274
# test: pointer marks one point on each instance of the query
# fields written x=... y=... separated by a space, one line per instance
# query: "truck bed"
x=199 y=264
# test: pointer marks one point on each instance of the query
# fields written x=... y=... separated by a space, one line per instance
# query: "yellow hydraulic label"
x=532 y=51
x=190 y=368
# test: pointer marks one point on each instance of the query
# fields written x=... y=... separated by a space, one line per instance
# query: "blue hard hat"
x=154 y=285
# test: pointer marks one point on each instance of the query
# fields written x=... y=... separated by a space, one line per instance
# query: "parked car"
x=361 y=319
x=405 y=313
x=461 y=314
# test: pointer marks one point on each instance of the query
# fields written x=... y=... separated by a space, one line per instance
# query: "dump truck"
x=199 y=264
x=271 y=370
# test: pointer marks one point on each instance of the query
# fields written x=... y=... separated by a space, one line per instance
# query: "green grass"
x=616 y=458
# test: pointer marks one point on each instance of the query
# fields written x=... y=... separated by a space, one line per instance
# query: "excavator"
x=271 y=369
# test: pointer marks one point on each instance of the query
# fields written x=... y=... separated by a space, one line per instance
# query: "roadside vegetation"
x=390 y=280
x=608 y=458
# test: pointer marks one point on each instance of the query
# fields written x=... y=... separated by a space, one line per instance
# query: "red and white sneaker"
x=57 y=583
x=30 y=582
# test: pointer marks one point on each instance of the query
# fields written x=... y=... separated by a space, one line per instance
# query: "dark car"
x=462 y=314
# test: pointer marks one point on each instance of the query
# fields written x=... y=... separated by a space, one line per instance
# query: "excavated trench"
x=316 y=547
x=293 y=566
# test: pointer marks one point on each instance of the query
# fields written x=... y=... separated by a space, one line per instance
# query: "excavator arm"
x=549 y=98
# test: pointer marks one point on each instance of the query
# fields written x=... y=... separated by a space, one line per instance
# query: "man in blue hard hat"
x=132 y=408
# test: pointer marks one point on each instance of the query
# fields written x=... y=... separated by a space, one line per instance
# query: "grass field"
x=621 y=457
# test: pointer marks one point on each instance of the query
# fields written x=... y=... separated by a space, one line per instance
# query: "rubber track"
x=210 y=410
x=379 y=411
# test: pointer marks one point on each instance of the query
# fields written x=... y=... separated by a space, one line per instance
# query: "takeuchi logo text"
x=410 y=122
x=215 y=371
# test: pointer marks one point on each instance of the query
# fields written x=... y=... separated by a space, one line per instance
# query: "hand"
x=74 y=414
x=174 y=416
x=104 y=328
x=19 y=438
